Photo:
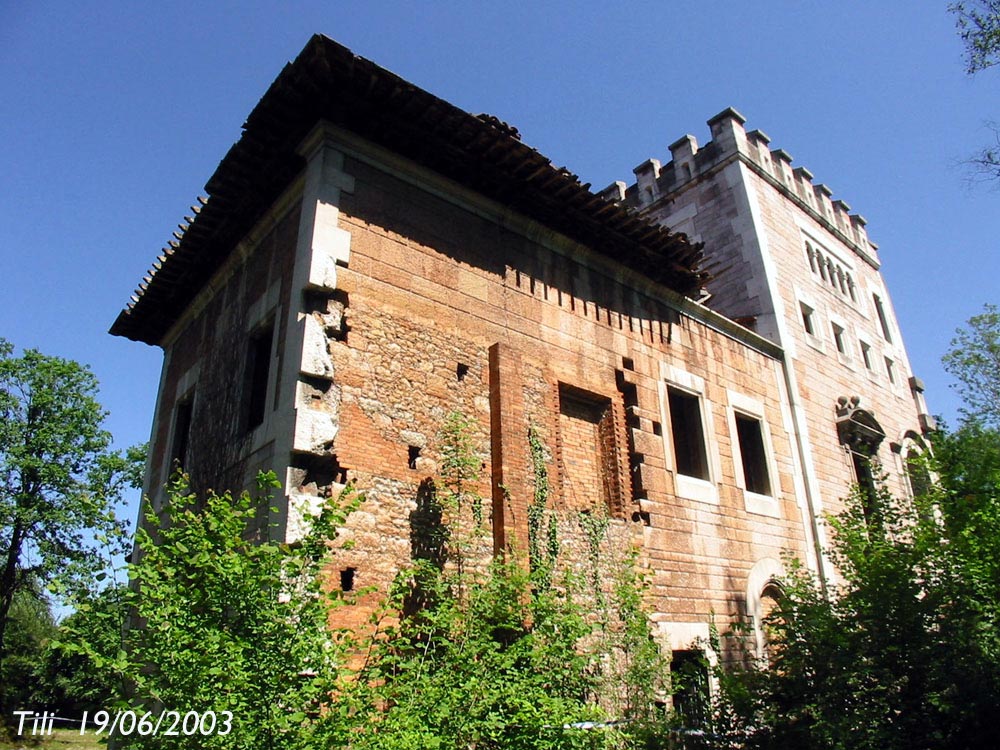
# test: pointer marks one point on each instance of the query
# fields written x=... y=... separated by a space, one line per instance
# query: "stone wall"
x=206 y=366
x=452 y=304
x=798 y=268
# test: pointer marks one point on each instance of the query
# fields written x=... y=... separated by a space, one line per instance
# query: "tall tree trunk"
x=8 y=581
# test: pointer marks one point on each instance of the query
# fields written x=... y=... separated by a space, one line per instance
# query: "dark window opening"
x=182 y=433
x=642 y=516
x=838 y=338
x=770 y=600
x=866 y=355
x=688 y=434
x=865 y=478
x=657 y=428
x=412 y=454
x=317 y=475
x=347 y=579
x=257 y=373
x=628 y=363
x=750 y=433
x=883 y=321
x=461 y=371
x=807 y=319
x=689 y=686
x=917 y=474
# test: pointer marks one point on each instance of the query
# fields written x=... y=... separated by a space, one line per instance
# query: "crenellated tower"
x=795 y=265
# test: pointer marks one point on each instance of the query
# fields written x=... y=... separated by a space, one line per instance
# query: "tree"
x=978 y=23
x=30 y=628
x=71 y=682
x=903 y=653
x=974 y=360
x=473 y=653
x=59 y=479
x=226 y=621
x=521 y=654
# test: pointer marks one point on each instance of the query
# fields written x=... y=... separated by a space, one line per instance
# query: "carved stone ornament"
x=857 y=428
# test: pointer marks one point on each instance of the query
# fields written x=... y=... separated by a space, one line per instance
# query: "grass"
x=60 y=739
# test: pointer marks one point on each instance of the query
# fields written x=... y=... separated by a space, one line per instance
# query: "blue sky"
x=115 y=114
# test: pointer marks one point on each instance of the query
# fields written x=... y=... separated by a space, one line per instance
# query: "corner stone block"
x=301 y=510
x=315 y=357
x=315 y=430
x=330 y=245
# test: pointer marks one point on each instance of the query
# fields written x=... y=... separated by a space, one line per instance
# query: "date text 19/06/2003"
x=125 y=723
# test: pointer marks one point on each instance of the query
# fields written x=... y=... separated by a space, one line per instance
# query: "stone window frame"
x=831 y=270
x=838 y=323
x=765 y=575
x=891 y=367
x=753 y=502
x=265 y=311
x=881 y=316
x=689 y=488
x=864 y=345
x=804 y=302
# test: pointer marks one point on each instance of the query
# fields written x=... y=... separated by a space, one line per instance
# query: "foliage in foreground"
x=224 y=621
x=464 y=653
x=904 y=653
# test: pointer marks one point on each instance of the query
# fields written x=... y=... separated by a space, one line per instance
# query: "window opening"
x=861 y=435
x=750 y=434
x=770 y=599
x=412 y=454
x=689 y=687
x=838 y=338
x=883 y=321
x=461 y=371
x=182 y=433
x=347 y=579
x=687 y=433
x=807 y=319
x=865 y=478
x=866 y=355
x=890 y=370
x=258 y=370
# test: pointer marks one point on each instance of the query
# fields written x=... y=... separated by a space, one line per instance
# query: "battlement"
x=689 y=164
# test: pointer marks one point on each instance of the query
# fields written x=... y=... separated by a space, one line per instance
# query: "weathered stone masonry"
x=371 y=260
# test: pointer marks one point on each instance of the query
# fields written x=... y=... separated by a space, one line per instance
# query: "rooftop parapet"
x=730 y=138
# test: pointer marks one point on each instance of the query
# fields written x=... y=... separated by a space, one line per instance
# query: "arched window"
x=914 y=456
x=764 y=593
x=861 y=434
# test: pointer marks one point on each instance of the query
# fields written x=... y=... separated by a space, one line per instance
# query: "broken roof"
x=329 y=82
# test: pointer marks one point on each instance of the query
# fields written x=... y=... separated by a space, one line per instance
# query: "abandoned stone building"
x=709 y=355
